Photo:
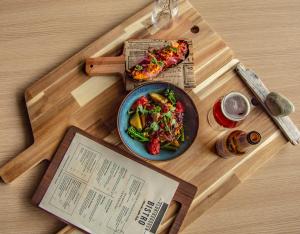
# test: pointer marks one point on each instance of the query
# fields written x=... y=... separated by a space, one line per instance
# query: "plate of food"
x=158 y=121
x=157 y=61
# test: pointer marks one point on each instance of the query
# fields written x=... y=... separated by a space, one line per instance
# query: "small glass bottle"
x=164 y=12
x=236 y=143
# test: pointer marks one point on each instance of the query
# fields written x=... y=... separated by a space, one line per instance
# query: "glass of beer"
x=229 y=111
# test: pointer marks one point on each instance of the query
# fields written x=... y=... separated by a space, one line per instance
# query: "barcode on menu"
x=159 y=217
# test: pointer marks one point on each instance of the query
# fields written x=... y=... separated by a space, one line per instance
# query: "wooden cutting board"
x=66 y=96
x=134 y=51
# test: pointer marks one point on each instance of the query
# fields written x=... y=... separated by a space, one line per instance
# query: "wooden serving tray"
x=67 y=96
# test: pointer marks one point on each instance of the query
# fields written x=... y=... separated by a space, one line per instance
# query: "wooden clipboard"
x=184 y=194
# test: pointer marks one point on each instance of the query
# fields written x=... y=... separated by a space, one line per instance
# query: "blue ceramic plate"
x=191 y=121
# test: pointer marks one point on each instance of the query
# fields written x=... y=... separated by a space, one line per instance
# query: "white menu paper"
x=101 y=191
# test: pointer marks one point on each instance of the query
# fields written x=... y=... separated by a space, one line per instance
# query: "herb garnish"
x=161 y=63
x=156 y=109
x=169 y=93
x=154 y=126
x=173 y=49
x=142 y=110
x=168 y=114
x=154 y=60
x=138 y=67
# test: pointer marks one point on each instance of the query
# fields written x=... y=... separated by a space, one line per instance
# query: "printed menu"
x=101 y=191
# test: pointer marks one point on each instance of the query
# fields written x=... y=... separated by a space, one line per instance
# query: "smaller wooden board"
x=184 y=194
x=255 y=84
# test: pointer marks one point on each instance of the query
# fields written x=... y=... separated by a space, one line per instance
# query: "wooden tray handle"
x=105 y=65
x=26 y=160
x=179 y=217
x=68 y=230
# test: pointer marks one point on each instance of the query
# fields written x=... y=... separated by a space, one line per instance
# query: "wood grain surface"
x=36 y=36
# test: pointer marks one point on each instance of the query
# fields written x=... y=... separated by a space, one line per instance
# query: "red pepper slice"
x=153 y=146
x=141 y=101
x=179 y=107
x=165 y=108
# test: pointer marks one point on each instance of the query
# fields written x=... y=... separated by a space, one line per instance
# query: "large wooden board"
x=66 y=96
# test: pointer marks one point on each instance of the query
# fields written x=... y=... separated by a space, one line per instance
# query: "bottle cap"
x=253 y=137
